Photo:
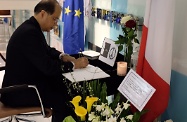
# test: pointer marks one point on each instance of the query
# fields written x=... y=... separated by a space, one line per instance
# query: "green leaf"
x=131 y=33
x=130 y=50
x=69 y=119
x=117 y=42
x=137 y=115
x=121 y=39
x=136 y=40
x=120 y=48
x=103 y=94
x=124 y=30
x=135 y=35
x=96 y=88
x=113 y=105
x=125 y=113
x=91 y=86
x=125 y=40
x=127 y=29
x=84 y=91
x=128 y=54
x=129 y=43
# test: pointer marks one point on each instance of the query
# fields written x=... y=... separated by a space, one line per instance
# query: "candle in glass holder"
x=121 y=68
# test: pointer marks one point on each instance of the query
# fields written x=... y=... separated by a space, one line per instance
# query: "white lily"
x=118 y=109
x=100 y=107
x=129 y=117
x=126 y=105
x=122 y=119
x=91 y=116
x=112 y=119
x=108 y=111
x=97 y=119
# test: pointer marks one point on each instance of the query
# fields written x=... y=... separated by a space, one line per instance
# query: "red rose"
x=130 y=24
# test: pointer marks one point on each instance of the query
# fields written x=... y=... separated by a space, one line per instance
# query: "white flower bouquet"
x=91 y=105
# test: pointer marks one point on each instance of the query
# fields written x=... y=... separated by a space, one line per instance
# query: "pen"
x=80 y=53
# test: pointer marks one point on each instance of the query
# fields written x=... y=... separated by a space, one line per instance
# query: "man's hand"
x=80 y=63
x=67 y=58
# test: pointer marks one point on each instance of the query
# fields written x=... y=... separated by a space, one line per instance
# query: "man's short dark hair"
x=46 y=5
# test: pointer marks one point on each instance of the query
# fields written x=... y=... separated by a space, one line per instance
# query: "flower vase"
x=128 y=67
x=129 y=63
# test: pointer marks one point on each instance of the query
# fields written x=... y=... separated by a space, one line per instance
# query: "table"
x=114 y=80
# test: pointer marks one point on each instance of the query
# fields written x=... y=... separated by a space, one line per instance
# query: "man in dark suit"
x=29 y=60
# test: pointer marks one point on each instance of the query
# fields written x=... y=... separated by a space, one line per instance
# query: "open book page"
x=89 y=73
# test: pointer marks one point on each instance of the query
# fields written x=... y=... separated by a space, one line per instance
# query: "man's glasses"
x=55 y=19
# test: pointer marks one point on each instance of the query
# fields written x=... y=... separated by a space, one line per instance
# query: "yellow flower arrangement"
x=80 y=110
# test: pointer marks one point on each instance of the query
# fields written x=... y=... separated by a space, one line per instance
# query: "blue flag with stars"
x=73 y=38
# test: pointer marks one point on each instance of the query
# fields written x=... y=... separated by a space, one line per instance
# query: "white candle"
x=121 y=68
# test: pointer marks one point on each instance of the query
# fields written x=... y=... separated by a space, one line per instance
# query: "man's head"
x=47 y=13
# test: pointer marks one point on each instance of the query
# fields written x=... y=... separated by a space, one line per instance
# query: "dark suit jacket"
x=29 y=60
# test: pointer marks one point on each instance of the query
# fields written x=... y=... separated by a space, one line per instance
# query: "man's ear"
x=43 y=13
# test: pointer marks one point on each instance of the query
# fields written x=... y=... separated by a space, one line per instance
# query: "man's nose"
x=55 y=24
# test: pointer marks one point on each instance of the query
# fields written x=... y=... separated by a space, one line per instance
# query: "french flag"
x=155 y=55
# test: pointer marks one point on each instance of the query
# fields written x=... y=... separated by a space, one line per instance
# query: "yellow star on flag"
x=67 y=10
x=78 y=13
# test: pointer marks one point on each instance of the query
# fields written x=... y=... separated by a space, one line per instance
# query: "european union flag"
x=73 y=38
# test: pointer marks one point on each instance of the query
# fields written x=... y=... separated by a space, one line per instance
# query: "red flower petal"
x=130 y=24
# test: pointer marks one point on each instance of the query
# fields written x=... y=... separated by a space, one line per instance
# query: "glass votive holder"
x=121 y=68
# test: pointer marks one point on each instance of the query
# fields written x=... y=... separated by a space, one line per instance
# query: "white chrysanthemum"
x=122 y=119
x=129 y=117
x=126 y=105
x=91 y=116
x=125 y=19
x=169 y=120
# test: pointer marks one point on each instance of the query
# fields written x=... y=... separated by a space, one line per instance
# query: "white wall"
x=18 y=4
x=136 y=7
x=97 y=29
